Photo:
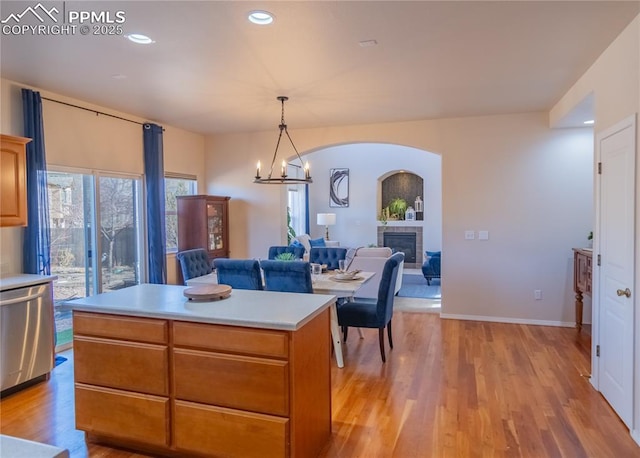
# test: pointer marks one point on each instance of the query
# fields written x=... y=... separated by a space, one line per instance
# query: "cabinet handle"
x=625 y=292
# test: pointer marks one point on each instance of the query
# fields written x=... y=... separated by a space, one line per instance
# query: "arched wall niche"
x=401 y=184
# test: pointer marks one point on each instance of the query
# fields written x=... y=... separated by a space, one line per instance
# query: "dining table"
x=324 y=283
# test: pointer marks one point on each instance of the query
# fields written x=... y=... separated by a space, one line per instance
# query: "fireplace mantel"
x=401 y=223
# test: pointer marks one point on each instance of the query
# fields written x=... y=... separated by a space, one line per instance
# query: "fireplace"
x=415 y=230
x=404 y=242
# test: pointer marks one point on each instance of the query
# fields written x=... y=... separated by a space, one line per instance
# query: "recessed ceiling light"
x=591 y=121
x=119 y=76
x=260 y=17
x=139 y=38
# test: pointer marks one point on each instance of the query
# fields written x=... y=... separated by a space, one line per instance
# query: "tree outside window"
x=173 y=187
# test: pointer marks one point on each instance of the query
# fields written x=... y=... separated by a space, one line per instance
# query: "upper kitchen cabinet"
x=13 y=190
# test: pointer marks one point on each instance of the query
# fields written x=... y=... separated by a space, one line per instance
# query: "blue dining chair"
x=239 y=273
x=374 y=313
x=274 y=251
x=327 y=255
x=194 y=263
x=287 y=276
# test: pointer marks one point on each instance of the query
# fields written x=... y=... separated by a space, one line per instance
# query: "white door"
x=615 y=245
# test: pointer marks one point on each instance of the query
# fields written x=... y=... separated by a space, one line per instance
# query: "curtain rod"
x=94 y=111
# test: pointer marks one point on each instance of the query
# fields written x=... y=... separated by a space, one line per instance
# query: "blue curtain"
x=154 y=184
x=36 y=250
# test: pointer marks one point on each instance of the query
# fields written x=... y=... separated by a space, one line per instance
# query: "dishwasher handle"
x=21 y=299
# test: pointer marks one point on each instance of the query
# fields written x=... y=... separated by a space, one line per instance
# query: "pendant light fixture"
x=283 y=178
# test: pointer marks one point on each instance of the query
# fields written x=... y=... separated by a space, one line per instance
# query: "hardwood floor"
x=449 y=389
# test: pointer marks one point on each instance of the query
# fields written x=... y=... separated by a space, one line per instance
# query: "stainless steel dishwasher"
x=26 y=331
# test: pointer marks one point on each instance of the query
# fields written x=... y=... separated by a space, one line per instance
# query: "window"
x=96 y=238
x=175 y=186
x=296 y=208
x=296 y=205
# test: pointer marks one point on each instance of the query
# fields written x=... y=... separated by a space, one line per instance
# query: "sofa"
x=372 y=260
x=305 y=241
x=329 y=256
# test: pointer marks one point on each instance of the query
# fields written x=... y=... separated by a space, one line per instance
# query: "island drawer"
x=125 y=365
x=136 y=417
x=232 y=339
x=121 y=327
x=216 y=431
x=240 y=382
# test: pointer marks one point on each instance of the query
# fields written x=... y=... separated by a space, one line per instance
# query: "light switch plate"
x=469 y=235
x=483 y=235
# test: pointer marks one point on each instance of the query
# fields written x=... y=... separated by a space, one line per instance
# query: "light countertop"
x=13 y=447
x=22 y=280
x=256 y=309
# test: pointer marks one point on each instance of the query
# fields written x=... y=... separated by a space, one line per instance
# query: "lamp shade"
x=326 y=219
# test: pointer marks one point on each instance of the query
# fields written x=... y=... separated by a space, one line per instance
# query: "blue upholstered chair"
x=239 y=273
x=327 y=255
x=287 y=276
x=372 y=313
x=274 y=251
x=194 y=263
x=431 y=267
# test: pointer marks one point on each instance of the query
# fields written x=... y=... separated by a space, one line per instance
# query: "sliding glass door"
x=120 y=232
x=87 y=257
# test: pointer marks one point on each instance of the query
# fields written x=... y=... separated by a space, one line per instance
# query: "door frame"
x=630 y=121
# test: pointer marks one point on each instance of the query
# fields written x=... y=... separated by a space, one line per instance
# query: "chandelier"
x=283 y=178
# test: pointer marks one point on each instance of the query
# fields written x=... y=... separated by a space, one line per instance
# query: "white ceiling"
x=211 y=71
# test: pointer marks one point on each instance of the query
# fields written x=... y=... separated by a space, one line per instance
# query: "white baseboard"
x=499 y=319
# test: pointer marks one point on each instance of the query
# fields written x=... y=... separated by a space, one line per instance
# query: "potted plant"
x=398 y=207
x=286 y=257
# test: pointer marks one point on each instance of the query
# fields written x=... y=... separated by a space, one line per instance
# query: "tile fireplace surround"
x=419 y=246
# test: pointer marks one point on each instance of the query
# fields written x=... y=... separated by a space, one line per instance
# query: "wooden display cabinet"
x=203 y=222
x=13 y=205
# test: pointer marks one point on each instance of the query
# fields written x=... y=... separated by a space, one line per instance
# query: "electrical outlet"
x=483 y=235
x=469 y=235
x=537 y=294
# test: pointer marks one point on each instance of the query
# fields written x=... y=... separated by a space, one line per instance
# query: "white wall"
x=80 y=139
x=614 y=81
x=357 y=224
x=529 y=185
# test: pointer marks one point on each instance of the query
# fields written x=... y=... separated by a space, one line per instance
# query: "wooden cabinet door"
x=132 y=416
x=235 y=381
x=13 y=191
x=216 y=431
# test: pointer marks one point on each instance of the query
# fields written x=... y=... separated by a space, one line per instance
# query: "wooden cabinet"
x=203 y=222
x=582 y=271
x=121 y=367
x=196 y=389
x=13 y=193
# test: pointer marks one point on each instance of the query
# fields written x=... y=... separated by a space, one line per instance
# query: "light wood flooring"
x=449 y=389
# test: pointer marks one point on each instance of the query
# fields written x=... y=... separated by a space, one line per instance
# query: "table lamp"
x=326 y=220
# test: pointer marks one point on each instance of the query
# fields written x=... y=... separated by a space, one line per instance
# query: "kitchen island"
x=244 y=376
